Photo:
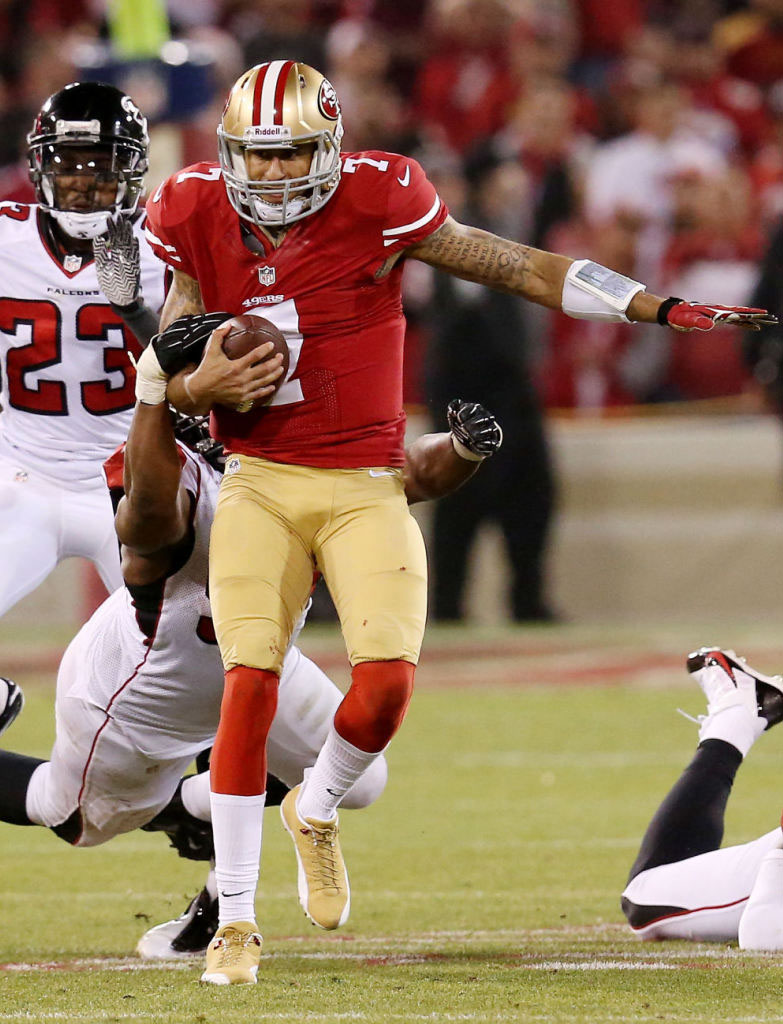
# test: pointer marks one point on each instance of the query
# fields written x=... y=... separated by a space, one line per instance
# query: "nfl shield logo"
x=72 y=263
x=266 y=275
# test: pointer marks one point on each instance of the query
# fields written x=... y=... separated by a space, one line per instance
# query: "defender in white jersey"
x=67 y=390
x=683 y=885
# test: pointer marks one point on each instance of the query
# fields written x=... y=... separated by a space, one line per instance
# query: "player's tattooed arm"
x=507 y=266
x=183 y=299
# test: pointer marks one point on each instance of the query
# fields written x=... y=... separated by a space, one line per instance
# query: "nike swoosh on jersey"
x=406 y=178
x=381 y=472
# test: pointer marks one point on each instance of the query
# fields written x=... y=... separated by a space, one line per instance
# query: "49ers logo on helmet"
x=327 y=101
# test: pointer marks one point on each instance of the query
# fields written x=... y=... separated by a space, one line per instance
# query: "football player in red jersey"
x=287 y=226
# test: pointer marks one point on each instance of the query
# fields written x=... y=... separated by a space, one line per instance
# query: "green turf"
x=485 y=883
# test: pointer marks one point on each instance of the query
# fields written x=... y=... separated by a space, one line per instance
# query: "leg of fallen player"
x=682 y=885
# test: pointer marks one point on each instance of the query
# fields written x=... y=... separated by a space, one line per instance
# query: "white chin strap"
x=83 y=225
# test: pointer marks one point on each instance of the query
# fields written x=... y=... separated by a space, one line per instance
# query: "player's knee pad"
x=375 y=704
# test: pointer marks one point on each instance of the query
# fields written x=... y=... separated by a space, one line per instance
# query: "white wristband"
x=151 y=381
x=593 y=292
x=465 y=453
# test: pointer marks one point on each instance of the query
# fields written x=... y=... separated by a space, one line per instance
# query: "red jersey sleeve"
x=400 y=195
x=172 y=211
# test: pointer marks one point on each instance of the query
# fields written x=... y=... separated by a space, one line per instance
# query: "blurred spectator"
x=763 y=351
x=584 y=362
x=478 y=350
x=541 y=134
x=752 y=40
x=715 y=251
x=464 y=89
x=358 y=62
x=633 y=175
x=700 y=68
x=277 y=30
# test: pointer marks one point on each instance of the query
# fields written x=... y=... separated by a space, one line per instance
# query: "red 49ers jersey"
x=341 y=402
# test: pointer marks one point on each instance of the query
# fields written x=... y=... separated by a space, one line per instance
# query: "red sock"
x=375 y=705
x=238 y=762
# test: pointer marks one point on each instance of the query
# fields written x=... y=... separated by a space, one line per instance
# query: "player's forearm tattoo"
x=477 y=255
x=184 y=299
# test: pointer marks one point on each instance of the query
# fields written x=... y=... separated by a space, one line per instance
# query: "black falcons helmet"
x=110 y=134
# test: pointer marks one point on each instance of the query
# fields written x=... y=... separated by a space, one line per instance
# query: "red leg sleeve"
x=238 y=763
x=375 y=705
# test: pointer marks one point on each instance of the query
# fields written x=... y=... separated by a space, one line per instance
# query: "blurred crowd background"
x=646 y=134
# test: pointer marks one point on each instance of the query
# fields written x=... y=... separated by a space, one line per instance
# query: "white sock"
x=336 y=769
x=735 y=725
x=237 y=823
x=195 y=796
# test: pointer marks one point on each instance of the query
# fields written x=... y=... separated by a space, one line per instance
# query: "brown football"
x=248 y=332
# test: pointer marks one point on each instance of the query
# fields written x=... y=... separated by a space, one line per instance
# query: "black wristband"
x=140 y=318
x=664 y=309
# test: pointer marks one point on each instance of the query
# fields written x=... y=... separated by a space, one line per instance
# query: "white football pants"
x=97 y=766
x=42 y=523
x=710 y=891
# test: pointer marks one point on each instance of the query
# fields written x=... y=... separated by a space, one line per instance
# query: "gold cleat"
x=322 y=879
x=233 y=955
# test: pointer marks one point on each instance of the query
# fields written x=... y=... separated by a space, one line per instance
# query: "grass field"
x=485 y=882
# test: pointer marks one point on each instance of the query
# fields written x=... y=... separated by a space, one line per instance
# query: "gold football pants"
x=276 y=524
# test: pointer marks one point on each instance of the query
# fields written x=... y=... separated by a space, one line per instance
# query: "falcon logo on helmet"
x=96 y=133
x=280 y=105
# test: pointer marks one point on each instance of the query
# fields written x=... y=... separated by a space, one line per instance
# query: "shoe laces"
x=325 y=853
x=232 y=945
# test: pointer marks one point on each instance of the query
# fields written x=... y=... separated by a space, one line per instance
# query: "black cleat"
x=769 y=689
x=187 y=935
x=11 y=702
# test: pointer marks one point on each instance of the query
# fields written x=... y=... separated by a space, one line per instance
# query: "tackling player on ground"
x=314 y=240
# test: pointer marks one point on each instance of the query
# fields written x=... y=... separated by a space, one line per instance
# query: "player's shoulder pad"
x=13 y=215
x=191 y=190
x=381 y=181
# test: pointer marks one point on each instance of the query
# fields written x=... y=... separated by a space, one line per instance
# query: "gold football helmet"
x=280 y=105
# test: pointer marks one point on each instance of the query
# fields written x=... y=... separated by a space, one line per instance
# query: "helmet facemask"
x=84 y=184
x=278 y=203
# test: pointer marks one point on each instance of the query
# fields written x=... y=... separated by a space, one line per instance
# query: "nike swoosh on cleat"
x=406 y=178
x=240 y=893
x=331 y=791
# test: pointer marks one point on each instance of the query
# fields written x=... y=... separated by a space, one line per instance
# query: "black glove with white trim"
x=475 y=433
x=184 y=340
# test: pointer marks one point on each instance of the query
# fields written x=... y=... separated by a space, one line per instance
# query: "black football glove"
x=184 y=340
x=474 y=428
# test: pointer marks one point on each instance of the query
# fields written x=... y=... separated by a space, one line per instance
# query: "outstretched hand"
x=117 y=262
x=690 y=316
